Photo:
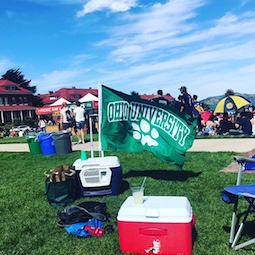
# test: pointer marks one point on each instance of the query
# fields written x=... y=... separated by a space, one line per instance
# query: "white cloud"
x=5 y=65
x=209 y=66
x=10 y=14
x=112 y=5
x=54 y=2
x=80 y=59
x=244 y=2
x=167 y=46
x=154 y=29
x=150 y=32
x=56 y=79
x=119 y=60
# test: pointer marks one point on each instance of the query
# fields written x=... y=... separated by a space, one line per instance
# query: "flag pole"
x=100 y=118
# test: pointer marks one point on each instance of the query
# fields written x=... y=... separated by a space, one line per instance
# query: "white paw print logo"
x=145 y=133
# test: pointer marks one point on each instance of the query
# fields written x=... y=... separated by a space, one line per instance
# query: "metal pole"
x=100 y=118
x=91 y=137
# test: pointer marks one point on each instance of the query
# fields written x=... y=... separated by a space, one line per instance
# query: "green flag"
x=132 y=124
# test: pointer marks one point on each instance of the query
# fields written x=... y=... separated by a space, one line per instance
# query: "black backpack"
x=69 y=116
x=82 y=213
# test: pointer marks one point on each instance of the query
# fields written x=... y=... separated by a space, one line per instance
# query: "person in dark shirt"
x=159 y=98
x=226 y=124
x=178 y=104
x=187 y=101
x=244 y=123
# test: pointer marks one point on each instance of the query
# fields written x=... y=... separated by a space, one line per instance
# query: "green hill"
x=213 y=101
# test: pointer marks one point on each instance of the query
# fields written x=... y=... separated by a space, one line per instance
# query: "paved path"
x=228 y=144
x=210 y=145
x=23 y=147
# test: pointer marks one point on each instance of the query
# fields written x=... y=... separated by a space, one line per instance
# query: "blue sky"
x=131 y=45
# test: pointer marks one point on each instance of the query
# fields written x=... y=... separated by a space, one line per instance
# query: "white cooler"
x=98 y=176
x=161 y=225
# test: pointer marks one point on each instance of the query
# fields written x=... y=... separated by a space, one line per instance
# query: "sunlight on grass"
x=29 y=223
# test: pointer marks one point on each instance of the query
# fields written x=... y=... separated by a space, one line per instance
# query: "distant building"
x=15 y=102
x=51 y=105
x=71 y=94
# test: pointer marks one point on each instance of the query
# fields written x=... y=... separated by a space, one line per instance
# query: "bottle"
x=83 y=155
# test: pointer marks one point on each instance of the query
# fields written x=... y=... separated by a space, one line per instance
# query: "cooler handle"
x=153 y=231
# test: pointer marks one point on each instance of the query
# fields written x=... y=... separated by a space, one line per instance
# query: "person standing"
x=42 y=125
x=187 y=101
x=66 y=118
x=197 y=111
x=79 y=115
x=159 y=98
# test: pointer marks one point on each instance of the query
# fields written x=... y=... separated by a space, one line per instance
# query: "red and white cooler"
x=161 y=225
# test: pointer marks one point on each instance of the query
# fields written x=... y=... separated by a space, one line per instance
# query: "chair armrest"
x=242 y=160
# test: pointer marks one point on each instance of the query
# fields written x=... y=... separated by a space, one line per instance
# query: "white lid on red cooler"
x=156 y=209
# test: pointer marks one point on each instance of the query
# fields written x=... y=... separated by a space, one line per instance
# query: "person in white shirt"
x=79 y=115
x=42 y=125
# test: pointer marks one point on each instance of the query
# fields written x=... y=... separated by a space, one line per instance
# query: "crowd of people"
x=239 y=123
x=73 y=120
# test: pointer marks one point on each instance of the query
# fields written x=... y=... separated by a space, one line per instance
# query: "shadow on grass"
x=124 y=186
x=166 y=175
x=248 y=232
x=194 y=236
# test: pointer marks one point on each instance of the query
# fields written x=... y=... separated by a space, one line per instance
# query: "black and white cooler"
x=98 y=176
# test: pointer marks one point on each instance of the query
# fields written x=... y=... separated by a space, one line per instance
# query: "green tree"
x=206 y=106
x=15 y=75
x=135 y=94
x=16 y=121
x=229 y=92
x=30 y=122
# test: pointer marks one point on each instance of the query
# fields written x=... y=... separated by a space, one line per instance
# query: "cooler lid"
x=156 y=209
x=109 y=161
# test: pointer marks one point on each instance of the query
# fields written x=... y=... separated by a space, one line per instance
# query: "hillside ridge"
x=213 y=101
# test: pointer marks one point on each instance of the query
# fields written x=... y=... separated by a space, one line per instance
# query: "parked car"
x=23 y=128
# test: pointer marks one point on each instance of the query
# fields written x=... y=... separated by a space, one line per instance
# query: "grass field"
x=29 y=223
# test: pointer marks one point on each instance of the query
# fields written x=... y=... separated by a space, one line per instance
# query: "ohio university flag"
x=131 y=124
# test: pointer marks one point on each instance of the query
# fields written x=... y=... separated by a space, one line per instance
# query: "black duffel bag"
x=82 y=213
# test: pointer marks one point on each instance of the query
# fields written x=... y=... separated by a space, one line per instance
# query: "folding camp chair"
x=231 y=195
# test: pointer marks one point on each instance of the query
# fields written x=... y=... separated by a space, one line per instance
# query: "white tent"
x=88 y=98
x=60 y=101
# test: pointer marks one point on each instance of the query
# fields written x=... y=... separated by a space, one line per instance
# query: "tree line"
x=16 y=76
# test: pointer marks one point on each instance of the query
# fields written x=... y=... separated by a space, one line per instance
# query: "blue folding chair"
x=231 y=195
